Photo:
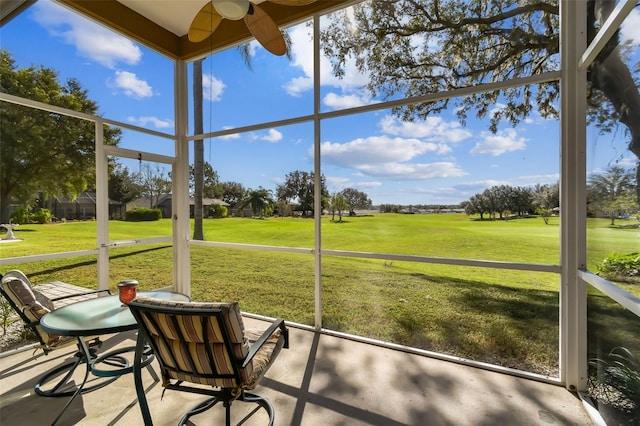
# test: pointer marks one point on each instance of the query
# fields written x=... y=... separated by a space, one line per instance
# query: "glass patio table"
x=99 y=316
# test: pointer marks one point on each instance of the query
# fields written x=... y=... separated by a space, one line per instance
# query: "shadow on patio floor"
x=320 y=380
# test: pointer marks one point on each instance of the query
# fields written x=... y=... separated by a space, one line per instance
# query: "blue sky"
x=435 y=161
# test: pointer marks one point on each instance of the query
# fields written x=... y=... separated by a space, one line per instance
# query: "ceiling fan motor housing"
x=231 y=9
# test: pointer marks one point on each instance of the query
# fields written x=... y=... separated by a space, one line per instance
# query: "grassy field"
x=500 y=316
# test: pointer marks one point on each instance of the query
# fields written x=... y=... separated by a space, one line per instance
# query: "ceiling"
x=162 y=25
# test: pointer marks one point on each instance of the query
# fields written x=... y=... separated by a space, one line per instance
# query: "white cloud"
x=367 y=185
x=273 y=136
x=626 y=162
x=478 y=186
x=395 y=153
x=296 y=86
x=91 y=40
x=229 y=137
x=411 y=171
x=442 y=195
x=155 y=121
x=212 y=88
x=433 y=128
x=302 y=58
x=336 y=101
x=534 y=179
x=338 y=183
x=129 y=83
x=499 y=143
x=374 y=150
x=383 y=156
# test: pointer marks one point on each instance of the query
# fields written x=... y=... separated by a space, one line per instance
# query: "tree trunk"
x=612 y=76
x=4 y=208
x=198 y=151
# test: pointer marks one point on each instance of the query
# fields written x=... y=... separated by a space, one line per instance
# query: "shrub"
x=618 y=383
x=620 y=266
x=42 y=216
x=142 y=215
x=217 y=211
x=6 y=315
x=544 y=213
x=20 y=215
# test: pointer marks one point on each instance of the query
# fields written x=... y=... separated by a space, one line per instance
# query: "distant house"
x=82 y=207
x=165 y=205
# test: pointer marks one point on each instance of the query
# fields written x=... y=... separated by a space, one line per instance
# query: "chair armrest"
x=279 y=323
x=55 y=299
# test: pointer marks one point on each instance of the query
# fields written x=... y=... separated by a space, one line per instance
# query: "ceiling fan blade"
x=205 y=23
x=265 y=30
x=292 y=2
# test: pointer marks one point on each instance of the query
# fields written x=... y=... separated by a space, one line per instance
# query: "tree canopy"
x=154 y=183
x=124 y=186
x=42 y=151
x=502 y=200
x=260 y=200
x=232 y=192
x=299 y=186
x=337 y=203
x=416 y=47
x=211 y=187
x=355 y=200
x=611 y=193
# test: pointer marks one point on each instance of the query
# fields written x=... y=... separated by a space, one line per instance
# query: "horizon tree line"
x=610 y=194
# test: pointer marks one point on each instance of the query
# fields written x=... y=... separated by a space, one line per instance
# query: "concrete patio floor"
x=320 y=380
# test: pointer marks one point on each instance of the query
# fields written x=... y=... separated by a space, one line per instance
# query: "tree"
x=122 y=184
x=500 y=199
x=338 y=203
x=417 y=47
x=356 y=200
x=198 y=152
x=544 y=213
x=232 y=192
x=211 y=186
x=546 y=197
x=522 y=201
x=471 y=206
x=501 y=195
x=610 y=192
x=299 y=186
x=42 y=151
x=154 y=184
x=260 y=200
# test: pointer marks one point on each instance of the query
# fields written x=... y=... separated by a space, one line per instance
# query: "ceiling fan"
x=263 y=28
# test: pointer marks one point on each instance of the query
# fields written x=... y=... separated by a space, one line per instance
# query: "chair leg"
x=153 y=373
x=201 y=407
x=67 y=370
x=245 y=397
x=262 y=402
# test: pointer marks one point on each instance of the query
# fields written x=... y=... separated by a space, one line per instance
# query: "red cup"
x=127 y=291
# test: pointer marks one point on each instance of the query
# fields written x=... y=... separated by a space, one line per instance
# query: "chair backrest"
x=196 y=342
x=29 y=304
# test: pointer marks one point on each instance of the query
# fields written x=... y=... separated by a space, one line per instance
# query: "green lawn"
x=493 y=315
